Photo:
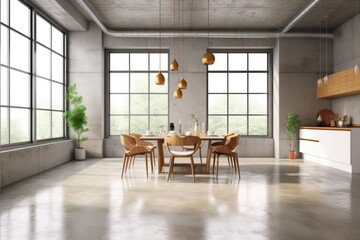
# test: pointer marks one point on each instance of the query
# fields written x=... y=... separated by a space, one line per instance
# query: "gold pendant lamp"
x=174 y=66
x=178 y=93
x=208 y=58
x=160 y=79
x=182 y=84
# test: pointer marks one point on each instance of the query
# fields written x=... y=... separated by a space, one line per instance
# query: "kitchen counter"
x=337 y=147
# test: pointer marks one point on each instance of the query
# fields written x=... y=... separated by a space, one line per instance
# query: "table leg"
x=208 y=157
x=160 y=154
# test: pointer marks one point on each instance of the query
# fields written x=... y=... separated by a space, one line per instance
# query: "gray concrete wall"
x=296 y=70
x=346 y=55
x=299 y=66
x=86 y=69
x=194 y=98
x=19 y=164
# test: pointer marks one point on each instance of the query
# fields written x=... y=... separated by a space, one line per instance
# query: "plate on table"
x=149 y=135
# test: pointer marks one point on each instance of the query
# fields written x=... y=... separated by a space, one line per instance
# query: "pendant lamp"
x=178 y=93
x=182 y=84
x=208 y=58
x=160 y=79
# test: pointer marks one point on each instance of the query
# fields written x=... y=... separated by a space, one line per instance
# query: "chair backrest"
x=233 y=141
x=140 y=142
x=226 y=137
x=127 y=141
x=182 y=141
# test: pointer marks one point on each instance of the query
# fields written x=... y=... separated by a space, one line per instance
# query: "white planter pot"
x=80 y=154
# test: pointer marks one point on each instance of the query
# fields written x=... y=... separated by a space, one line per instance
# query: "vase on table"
x=196 y=129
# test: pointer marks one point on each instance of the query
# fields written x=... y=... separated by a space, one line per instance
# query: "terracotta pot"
x=292 y=154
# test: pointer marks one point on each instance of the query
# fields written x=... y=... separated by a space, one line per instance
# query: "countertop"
x=328 y=128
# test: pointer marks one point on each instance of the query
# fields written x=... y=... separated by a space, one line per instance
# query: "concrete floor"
x=275 y=199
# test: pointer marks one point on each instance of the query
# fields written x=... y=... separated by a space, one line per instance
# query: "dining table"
x=160 y=146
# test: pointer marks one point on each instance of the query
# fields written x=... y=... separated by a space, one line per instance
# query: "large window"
x=239 y=93
x=32 y=76
x=134 y=102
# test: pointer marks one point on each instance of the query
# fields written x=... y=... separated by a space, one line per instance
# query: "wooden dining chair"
x=149 y=145
x=131 y=150
x=171 y=142
x=192 y=148
x=229 y=150
x=222 y=143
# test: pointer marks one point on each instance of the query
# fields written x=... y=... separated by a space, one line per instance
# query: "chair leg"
x=237 y=162
x=217 y=165
x=200 y=155
x=214 y=164
x=154 y=157
x=124 y=166
x=192 y=167
x=234 y=164
x=132 y=159
x=171 y=166
x=146 y=163
x=228 y=161
x=151 y=162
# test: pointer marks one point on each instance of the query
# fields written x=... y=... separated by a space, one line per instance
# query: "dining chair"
x=192 y=148
x=131 y=149
x=172 y=143
x=229 y=150
x=222 y=143
x=149 y=145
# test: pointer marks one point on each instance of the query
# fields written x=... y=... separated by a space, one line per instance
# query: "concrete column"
x=86 y=69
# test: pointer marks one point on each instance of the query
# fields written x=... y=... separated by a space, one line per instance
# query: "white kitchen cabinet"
x=335 y=147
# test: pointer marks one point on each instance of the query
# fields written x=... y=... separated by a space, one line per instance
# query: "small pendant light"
x=178 y=93
x=174 y=66
x=182 y=84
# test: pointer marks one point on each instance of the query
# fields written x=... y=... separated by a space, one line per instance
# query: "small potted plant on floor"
x=292 y=128
x=76 y=119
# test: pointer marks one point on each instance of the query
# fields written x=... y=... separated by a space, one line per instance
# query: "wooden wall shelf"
x=344 y=83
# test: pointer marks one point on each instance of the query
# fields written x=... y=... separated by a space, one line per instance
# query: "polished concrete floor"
x=275 y=199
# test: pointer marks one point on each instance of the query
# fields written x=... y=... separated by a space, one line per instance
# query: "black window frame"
x=269 y=93
x=151 y=81
x=32 y=77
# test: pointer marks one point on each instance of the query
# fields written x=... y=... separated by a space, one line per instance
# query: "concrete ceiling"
x=239 y=15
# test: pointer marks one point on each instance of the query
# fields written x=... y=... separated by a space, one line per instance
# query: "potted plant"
x=292 y=128
x=76 y=119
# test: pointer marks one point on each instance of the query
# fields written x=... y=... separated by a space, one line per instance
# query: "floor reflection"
x=274 y=199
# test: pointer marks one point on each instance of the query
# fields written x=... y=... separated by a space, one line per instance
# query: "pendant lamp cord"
x=208 y=24
x=159 y=35
x=326 y=43
x=320 y=57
